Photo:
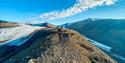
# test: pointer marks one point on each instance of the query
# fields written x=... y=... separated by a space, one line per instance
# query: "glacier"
x=17 y=35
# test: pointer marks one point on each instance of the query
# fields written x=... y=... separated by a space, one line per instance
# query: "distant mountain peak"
x=92 y=19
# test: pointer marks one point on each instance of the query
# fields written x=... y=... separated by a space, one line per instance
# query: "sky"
x=60 y=11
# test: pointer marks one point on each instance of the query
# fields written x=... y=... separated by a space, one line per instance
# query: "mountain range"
x=110 y=32
x=39 y=43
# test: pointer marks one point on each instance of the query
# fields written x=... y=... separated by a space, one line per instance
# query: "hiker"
x=60 y=33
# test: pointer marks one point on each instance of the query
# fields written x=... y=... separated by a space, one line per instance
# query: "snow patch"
x=118 y=56
x=17 y=32
x=106 y=48
x=102 y=46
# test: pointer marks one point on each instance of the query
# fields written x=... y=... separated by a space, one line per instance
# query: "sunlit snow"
x=16 y=32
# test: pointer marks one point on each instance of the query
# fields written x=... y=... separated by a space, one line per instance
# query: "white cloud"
x=80 y=6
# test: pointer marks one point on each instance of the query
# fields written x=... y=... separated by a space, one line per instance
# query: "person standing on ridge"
x=60 y=33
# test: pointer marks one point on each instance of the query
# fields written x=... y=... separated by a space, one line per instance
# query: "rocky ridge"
x=48 y=49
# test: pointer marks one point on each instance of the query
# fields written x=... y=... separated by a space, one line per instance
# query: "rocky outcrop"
x=48 y=49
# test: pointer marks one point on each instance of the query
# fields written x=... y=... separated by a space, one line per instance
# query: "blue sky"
x=59 y=11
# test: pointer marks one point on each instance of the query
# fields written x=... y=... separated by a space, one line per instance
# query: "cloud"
x=80 y=6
